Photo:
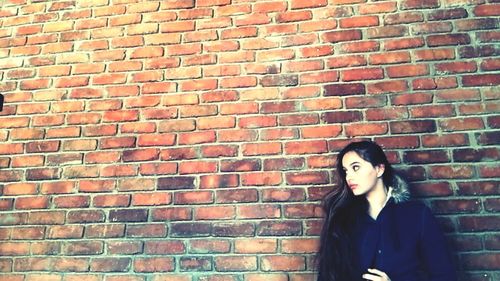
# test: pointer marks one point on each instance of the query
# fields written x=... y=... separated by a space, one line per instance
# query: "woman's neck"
x=377 y=198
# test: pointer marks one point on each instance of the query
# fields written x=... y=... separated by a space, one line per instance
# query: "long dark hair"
x=335 y=259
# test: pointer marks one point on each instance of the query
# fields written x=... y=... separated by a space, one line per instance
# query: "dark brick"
x=416 y=126
x=481 y=261
x=43 y=174
x=42 y=146
x=479 y=223
x=136 y=215
x=481 y=80
x=427 y=189
x=345 y=89
x=450 y=206
x=342 y=116
x=455 y=13
x=164 y=247
x=283 y=164
x=448 y=39
x=279 y=80
x=279 y=228
x=110 y=264
x=85 y=216
x=428 y=156
x=419 y=4
x=240 y=165
x=479 y=188
x=176 y=183
x=191 y=229
x=84 y=248
x=476 y=155
x=196 y=263
x=233 y=229
x=478 y=51
x=488 y=138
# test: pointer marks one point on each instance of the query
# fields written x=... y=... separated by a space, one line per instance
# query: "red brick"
x=15 y=148
x=462 y=124
x=397 y=44
x=154 y=264
x=261 y=178
x=172 y=214
x=261 y=149
x=236 y=263
x=239 y=32
x=72 y=201
x=486 y=10
x=455 y=67
x=362 y=74
x=31 y=203
x=432 y=111
x=14 y=248
x=14 y=122
x=111 y=200
x=394 y=86
x=407 y=70
x=481 y=80
x=389 y=58
x=216 y=123
x=340 y=36
x=34 y=84
x=366 y=129
x=305 y=147
x=216 y=181
x=100 y=130
x=280 y=263
x=193 y=197
x=19 y=189
x=308 y=178
x=25 y=51
x=158 y=169
x=195 y=167
x=20 y=73
x=237 y=135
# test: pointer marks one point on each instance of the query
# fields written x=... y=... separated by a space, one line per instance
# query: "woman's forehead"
x=351 y=157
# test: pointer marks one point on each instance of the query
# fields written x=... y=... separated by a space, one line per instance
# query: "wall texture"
x=192 y=140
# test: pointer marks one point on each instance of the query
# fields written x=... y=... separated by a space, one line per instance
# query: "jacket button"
x=379 y=251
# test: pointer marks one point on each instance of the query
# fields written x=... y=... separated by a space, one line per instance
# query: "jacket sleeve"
x=434 y=251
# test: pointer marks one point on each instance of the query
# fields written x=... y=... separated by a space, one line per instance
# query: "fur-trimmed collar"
x=400 y=191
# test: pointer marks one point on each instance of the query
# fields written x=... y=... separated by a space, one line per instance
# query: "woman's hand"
x=376 y=275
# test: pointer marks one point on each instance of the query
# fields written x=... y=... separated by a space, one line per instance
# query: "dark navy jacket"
x=405 y=242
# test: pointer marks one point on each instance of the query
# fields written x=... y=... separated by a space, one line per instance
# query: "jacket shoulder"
x=413 y=209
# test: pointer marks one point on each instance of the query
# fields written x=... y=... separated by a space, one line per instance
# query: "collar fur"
x=400 y=191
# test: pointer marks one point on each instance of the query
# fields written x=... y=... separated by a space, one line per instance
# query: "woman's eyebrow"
x=355 y=162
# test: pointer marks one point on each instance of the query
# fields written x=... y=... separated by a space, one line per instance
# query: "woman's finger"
x=368 y=276
x=377 y=272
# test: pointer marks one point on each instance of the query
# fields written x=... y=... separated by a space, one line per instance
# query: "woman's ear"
x=380 y=170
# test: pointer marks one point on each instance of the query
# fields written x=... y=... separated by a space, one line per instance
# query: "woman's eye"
x=355 y=168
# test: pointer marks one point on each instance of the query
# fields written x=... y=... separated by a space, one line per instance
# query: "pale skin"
x=365 y=179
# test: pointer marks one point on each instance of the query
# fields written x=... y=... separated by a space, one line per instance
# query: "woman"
x=371 y=231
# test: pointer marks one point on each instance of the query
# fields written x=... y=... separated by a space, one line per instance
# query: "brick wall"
x=192 y=140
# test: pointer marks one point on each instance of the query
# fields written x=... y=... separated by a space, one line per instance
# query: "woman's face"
x=361 y=175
